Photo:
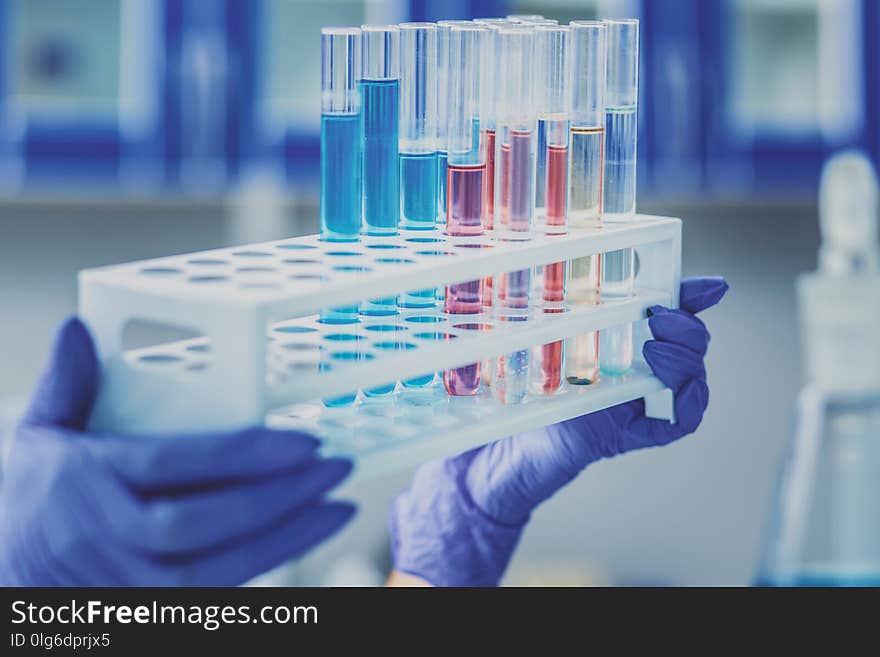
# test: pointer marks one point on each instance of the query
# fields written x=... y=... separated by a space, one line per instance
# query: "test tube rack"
x=263 y=357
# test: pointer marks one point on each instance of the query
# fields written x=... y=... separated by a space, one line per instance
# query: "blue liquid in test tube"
x=340 y=150
x=380 y=95
x=418 y=138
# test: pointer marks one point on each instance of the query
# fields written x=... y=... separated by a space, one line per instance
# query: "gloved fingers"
x=690 y=405
x=67 y=389
x=696 y=294
x=679 y=327
x=260 y=553
x=188 y=523
x=674 y=364
x=155 y=464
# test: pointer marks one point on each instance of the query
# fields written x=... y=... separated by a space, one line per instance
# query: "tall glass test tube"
x=418 y=147
x=465 y=175
x=418 y=125
x=443 y=30
x=587 y=171
x=619 y=198
x=380 y=171
x=551 y=189
x=340 y=146
x=340 y=154
x=516 y=125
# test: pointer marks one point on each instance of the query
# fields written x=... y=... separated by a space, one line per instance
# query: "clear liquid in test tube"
x=619 y=198
x=551 y=190
x=380 y=171
x=587 y=172
x=465 y=176
x=516 y=125
x=340 y=150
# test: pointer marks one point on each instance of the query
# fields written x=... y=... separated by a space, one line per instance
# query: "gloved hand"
x=85 y=510
x=460 y=520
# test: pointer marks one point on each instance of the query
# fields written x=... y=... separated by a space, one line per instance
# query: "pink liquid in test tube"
x=464 y=216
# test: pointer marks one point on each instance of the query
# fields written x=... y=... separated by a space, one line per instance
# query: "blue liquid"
x=340 y=177
x=381 y=171
x=381 y=391
x=336 y=402
x=418 y=183
x=441 y=187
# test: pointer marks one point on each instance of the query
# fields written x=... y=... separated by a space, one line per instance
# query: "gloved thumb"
x=66 y=392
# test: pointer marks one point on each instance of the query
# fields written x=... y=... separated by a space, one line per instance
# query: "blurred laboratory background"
x=139 y=128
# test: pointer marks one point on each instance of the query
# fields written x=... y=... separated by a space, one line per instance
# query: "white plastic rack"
x=263 y=355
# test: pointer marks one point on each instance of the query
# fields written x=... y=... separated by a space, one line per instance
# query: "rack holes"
x=425 y=240
x=351 y=355
x=160 y=358
x=394 y=346
x=425 y=319
x=386 y=328
x=296 y=246
x=307 y=277
x=208 y=279
x=299 y=346
x=256 y=270
x=342 y=254
x=473 y=246
x=351 y=268
x=252 y=254
x=198 y=348
x=435 y=335
x=435 y=253
x=473 y=326
x=161 y=271
x=395 y=261
x=208 y=262
x=301 y=261
x=344 y=337
x=295 y=329
x=384 y=246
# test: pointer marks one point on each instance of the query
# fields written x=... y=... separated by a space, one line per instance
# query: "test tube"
x=418 y=138
x=443 y=30
x=514 y=193
x=418 y=125
x=490 y=105
x=465 y=175
x=619 y=197
x=340 y=147
x=551 y=189
x=587 y=171
x=380 y=94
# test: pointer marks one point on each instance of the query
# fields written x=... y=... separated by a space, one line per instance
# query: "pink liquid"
x=489 y=187
x=557 y=186
x=515 y=164
x=464 y=216
x=489 y=211
x=554 y=302
x=464 y=199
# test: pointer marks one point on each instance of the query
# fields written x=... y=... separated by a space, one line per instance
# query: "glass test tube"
x=380 y=94
x=524 y=18
x=418 y=138
x=490 y=102
x=465 y=176
x=418 y=147
x=515 y=129
x=619 y=197
x=340 y=147
x=586 y=172
x=551 y=190
x=443 y=30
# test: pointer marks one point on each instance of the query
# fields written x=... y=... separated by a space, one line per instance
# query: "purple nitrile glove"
x=460 y=520
x=78 y=509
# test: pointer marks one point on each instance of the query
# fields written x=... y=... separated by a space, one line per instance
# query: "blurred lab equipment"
x=826 y=527
x=87 y=510
x=461 y=519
